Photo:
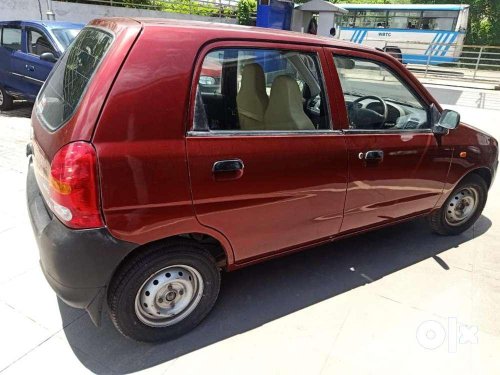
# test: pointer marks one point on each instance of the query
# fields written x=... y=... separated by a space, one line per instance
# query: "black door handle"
x=30 y=68
x=233 y=165
x=375 y=155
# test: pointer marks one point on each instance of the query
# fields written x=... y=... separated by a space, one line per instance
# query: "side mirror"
x=448 y=120
x=48 y=56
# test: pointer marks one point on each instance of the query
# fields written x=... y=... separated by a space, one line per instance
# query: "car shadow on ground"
x=20 y=109
x=262 y=293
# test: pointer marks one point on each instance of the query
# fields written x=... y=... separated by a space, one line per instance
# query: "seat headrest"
x=286 y=92
x=252 y=80
x=285 y=110
x=252 y=98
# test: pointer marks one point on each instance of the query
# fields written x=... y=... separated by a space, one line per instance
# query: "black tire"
x=438 y=219
x=6 y=100
x=130 y=278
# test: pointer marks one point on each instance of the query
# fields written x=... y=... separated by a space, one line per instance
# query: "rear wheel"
x=164 y=291
x=462 y=208
x=5 y=100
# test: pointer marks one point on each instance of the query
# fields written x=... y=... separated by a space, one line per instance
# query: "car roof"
x=228 y=31
x=46 y=24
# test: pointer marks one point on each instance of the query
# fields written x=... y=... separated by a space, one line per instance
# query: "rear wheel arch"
x=212 y=245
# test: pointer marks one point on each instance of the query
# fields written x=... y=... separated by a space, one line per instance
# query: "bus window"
x=439 y=20
x=371 y=18
x=404 y=20
x=348 y=20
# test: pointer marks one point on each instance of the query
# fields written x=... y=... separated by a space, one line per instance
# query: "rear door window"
x=11 y=38
x=251 y=89
x=64 y=89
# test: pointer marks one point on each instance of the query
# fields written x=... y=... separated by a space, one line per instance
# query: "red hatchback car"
x=147 y=177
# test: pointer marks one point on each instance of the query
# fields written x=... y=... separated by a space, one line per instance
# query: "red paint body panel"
x=481 y=150
x=292 y=190
x=82 y=124
x=295 y=191
x=409 y=180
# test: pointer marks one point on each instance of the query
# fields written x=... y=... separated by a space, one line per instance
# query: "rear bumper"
x=77 y=264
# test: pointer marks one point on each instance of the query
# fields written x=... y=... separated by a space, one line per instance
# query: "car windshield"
x=65 y=36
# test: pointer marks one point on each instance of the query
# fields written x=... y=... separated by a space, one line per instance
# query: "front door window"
x=377 y=99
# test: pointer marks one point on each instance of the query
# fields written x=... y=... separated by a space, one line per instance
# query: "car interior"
x=38 y=44
x=266 y=90
x=260 y=90
x=376 y=99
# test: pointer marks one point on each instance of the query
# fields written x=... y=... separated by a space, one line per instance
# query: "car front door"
x=268 y=169
x=397 y=166
x=35 y=70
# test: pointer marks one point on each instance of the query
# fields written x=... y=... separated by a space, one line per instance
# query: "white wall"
x=20 y=9
x=36 y=9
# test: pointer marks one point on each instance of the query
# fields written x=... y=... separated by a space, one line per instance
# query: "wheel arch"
x=217 y=248
x=483 y=172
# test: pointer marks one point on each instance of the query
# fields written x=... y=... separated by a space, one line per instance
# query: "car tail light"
x=73 y=186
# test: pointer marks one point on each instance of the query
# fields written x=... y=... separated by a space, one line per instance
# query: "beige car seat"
x=285 y=110
x=252 y=99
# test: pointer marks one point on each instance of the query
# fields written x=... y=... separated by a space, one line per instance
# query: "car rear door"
x=396 y=169
x=276 y=188
x=11 y=75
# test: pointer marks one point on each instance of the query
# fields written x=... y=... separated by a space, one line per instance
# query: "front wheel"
x=164 y=292
x=462 y=208
x=5 y=100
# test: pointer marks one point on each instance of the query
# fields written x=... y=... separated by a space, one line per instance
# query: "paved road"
x=465 y=97
x=360 y=305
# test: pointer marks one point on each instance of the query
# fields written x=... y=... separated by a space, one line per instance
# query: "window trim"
x=248 y=133
x=399 y=77
x=388 y=131
x=191 y=129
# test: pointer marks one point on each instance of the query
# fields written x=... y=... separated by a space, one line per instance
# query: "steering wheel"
x=364 y=118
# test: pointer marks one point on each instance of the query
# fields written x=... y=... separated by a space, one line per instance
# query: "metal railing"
x=448 y=61
x=208 y=8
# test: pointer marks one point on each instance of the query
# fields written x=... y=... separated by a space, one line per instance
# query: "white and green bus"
x=416 y=33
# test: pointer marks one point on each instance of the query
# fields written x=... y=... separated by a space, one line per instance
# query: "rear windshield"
x=66 y=85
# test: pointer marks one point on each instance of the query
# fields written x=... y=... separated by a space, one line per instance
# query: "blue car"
x=28 y=51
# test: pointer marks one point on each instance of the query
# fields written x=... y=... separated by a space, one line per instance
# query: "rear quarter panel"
x=80 y=126
x=140 y=141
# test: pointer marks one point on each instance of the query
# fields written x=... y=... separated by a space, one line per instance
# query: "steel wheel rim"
x=168 y=296
x=462 y=206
